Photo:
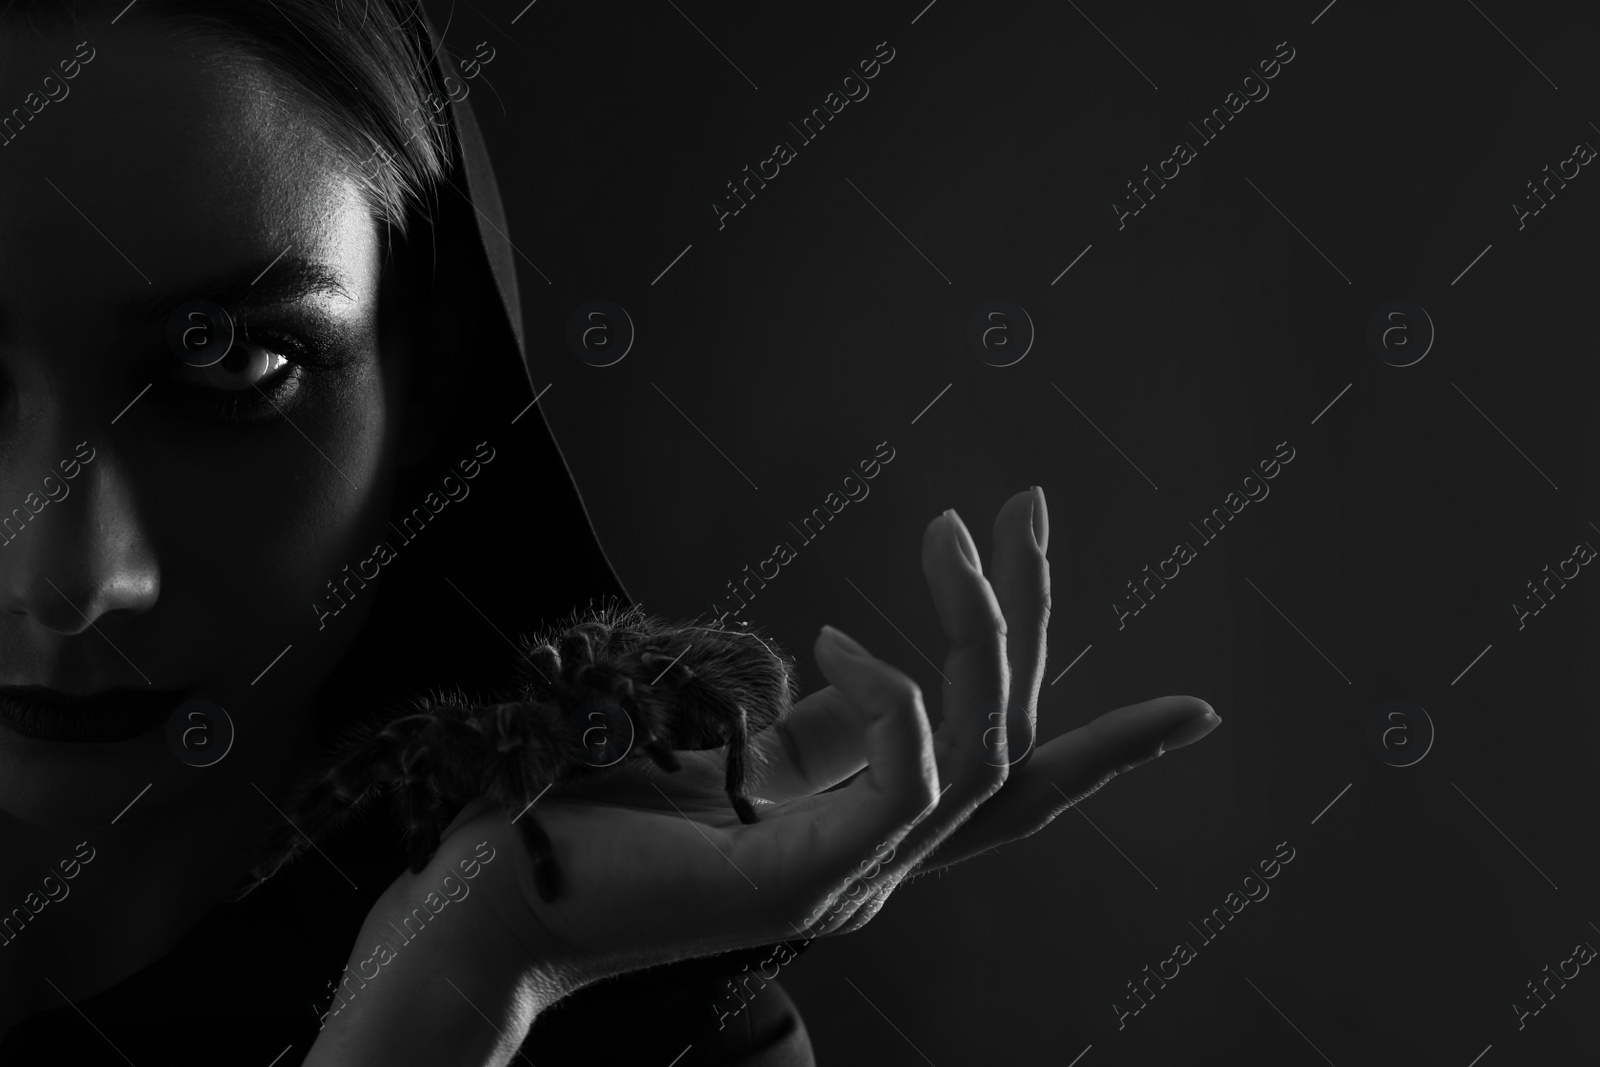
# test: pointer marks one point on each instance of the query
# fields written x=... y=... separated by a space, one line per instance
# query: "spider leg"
x=576 y=651
x=421 y=812
x=737 y=766
x=654 y=720
x=540 y=668
x=432 y=757
x=462 y=760
x=368 y=766
x=523 y=750
x=651 y=725
x=610 y=693
x=546 y=872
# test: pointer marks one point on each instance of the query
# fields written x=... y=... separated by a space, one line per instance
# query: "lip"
x=113 y=715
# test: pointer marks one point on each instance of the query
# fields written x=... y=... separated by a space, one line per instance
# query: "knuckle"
x=997 y=620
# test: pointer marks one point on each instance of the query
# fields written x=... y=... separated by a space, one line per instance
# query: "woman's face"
x=171 y=527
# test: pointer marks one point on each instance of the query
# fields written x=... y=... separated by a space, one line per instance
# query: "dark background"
x=1197 y=338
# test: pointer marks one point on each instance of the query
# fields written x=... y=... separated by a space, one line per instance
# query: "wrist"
x=457 y=996
x=472 y=1018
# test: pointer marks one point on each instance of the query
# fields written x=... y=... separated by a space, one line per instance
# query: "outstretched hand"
x=655 y=869
x=658 y=868
x=997 y=786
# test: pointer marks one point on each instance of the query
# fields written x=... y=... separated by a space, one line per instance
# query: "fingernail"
x=845 y=643
x=1041 y=520
x=1192 y=730
x=964 y=539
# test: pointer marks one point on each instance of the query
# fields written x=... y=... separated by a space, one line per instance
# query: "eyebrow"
x=284 y=281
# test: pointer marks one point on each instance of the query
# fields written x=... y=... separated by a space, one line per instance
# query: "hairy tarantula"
x=604 y=686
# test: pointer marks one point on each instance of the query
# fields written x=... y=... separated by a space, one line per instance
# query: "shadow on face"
x=164 y=528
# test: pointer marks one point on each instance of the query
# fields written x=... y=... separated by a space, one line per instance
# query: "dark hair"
x=365 y=71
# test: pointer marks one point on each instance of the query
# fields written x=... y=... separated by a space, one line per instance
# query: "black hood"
x=519 y=552
x=516 y=553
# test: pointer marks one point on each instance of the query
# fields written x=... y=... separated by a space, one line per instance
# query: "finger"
x=1020 y=574
x=975 y=671
x=819 y=841
x=816 y=746
x=977 y=704
x=971 y=740
x=1063 y=772
x=1076 y=765
x=1086 y=758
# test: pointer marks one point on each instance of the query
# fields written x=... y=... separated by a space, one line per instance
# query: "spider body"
x=609 y=685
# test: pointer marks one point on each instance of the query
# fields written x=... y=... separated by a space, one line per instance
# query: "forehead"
x=165 y=158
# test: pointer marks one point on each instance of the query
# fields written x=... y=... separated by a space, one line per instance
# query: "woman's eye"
x=244 y=366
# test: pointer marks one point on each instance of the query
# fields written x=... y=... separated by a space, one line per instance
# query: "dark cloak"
x=517 y=553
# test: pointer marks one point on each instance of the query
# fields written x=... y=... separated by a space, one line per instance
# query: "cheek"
x=249 y=524
x=266 y=517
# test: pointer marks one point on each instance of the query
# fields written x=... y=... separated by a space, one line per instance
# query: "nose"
x=74 y=551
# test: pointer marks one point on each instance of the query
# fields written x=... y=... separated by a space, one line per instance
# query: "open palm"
x=656 y=866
